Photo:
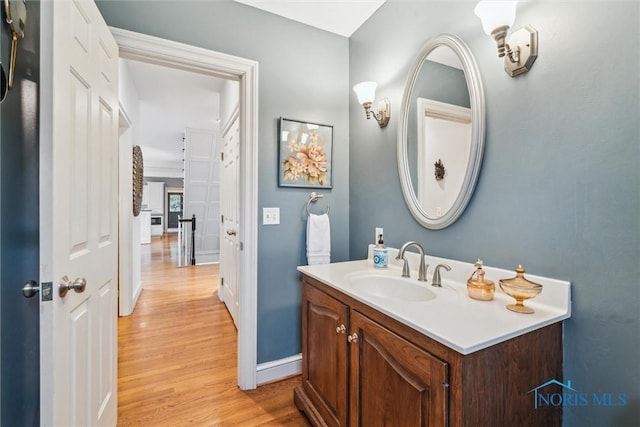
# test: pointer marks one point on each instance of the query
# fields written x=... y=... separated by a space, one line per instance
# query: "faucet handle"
x=437 y=280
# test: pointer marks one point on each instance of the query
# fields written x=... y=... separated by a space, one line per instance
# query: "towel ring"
x=313 y=197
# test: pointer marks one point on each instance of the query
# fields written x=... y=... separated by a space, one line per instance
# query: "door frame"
x=150 y=49
x=128 y=272
x=168 y=191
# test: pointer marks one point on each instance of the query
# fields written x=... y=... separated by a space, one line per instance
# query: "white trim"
x=279 y=369
x=232 y=118
x=137 y=294
x=177 y=55
x=46 y=208
x=126 y=302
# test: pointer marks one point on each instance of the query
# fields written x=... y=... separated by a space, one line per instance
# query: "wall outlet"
x=270 y=216
x=379 y=231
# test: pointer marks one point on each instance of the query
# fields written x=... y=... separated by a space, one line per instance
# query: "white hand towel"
x=318 y=239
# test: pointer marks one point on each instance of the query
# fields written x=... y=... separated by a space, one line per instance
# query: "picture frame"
x=305 y=154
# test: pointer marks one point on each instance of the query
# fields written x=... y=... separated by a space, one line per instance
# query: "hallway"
x=177 y=355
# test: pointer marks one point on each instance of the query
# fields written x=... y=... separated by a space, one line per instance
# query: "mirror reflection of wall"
x=444 y=146
x=441 y=79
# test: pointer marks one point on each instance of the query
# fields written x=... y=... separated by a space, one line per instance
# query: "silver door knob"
x=77 y=285
x=231 y=232
x=341 y=329
x=30 y=288
x=353 y=337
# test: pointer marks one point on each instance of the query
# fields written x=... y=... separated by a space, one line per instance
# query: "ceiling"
x=341 y=17
x=172 y=100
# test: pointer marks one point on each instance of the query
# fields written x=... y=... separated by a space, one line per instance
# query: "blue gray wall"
x=559 y=189
x=19 y=229
x=303 y=75
x=451 y=89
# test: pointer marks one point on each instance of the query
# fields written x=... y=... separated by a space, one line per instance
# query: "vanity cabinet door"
x=324 y=349
x=393 y=382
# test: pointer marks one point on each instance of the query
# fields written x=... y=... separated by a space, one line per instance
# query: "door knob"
x=231 y=232
x=341 y=329
x=77 y=285
x=30 y=288
x=353 y=337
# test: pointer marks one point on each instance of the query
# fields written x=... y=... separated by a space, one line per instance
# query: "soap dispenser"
x=380 y=254
x=478 y=287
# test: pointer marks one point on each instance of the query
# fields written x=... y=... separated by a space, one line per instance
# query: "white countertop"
x=452 y=318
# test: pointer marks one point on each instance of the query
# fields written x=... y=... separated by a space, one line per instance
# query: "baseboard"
x=136 y=296
x=207 y=257
x=278 y=369
x=134 y=301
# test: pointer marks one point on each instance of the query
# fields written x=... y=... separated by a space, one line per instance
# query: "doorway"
x=175 y=202
x=177 y=55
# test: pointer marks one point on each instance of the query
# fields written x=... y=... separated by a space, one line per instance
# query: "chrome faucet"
x=437 y=280
x=422 y=270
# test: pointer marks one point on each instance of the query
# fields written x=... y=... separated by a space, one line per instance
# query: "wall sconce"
x=366 y=92
x=521 y=50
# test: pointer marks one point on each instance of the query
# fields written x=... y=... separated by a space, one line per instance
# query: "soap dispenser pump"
x=480 y=288
x=380 y=254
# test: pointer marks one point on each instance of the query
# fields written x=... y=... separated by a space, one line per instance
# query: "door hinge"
x=222 y=281
x=222 y=156
x=241 y=246
x=47 y=291
x=222 y=219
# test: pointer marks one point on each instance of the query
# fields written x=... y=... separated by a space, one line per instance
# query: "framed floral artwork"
x=304 y=154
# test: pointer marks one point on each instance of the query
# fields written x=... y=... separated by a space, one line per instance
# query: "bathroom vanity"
x=371 y=358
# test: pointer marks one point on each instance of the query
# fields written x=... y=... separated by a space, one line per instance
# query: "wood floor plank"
x=177 y=356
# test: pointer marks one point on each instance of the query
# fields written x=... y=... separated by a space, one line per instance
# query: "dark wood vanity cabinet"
x=393 y=382
x=362 y=368
x=324 y=366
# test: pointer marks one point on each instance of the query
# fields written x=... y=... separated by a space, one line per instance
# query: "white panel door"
x=230 y=247
x=202 y=191
x=80 y=368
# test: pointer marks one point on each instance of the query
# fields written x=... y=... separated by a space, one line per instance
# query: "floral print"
x=307 y=161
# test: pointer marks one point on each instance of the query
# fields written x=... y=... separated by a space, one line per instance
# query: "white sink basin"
x=397 y=288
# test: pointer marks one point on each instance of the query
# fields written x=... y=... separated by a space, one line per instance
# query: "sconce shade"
x=365 y=91
x=495 y=14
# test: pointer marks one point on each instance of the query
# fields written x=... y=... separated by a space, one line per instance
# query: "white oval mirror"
x=441 y=132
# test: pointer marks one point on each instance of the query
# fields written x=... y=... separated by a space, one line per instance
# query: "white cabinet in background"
x=145 y=197
x=156 y=197
x=157 y=228
x=145 y=227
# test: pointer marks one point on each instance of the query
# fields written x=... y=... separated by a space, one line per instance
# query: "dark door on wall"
x=19 y=228
x=174 y=202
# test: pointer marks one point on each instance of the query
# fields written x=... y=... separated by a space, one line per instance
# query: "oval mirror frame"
x=476 y=101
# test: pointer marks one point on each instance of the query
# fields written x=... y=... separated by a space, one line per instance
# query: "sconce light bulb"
x=495 y=14
x=366 y=92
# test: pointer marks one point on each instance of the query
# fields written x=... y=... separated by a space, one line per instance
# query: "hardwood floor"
x=178 y=355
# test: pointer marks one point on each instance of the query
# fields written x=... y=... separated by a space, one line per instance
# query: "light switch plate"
x=270 y=216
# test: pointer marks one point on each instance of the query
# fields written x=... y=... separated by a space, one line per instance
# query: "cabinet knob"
x=353 y=337
x=341 y=329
